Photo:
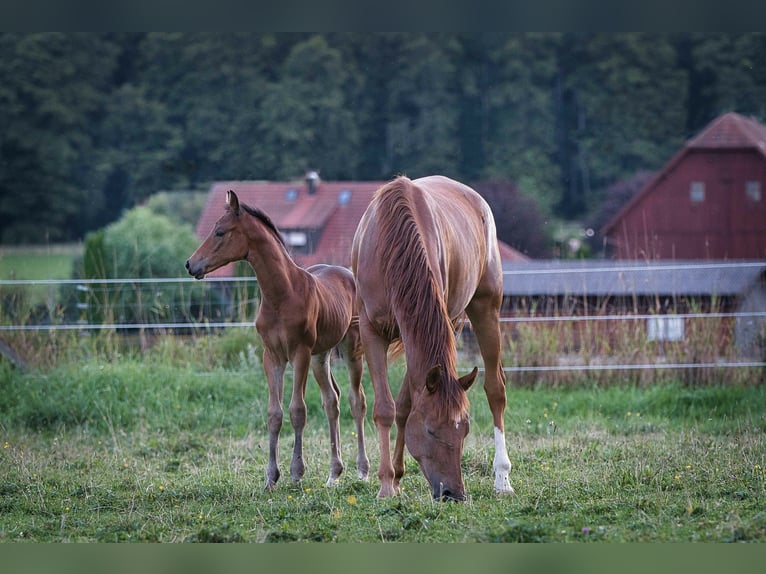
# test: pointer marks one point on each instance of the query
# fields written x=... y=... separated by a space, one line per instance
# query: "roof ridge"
x=730 y=130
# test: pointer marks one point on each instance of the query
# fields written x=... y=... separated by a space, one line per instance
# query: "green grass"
x=38 y=262
x=171 y=446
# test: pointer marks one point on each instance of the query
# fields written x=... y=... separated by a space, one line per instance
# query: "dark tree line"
x=92 y=124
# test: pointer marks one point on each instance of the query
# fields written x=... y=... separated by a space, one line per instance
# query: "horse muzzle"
x=443 y=494
x=196 y=270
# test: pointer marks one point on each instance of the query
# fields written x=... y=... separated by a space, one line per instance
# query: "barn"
x=707 y=202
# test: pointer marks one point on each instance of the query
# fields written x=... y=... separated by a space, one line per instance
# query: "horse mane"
x=417 y=300
x=266 y=220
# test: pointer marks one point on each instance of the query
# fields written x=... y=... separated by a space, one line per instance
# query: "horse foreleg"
x=486 y=325
x=356 y=398
x=403 y=406
x=275 y=370
x=320 y=365
x=384 y=408
x=300 y=361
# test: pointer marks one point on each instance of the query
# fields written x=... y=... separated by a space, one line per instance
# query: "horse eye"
x=220 y=233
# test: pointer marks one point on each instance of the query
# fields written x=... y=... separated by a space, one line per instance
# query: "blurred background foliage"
x=94 y=124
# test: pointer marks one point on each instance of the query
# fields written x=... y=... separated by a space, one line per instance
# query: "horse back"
x=464 y=247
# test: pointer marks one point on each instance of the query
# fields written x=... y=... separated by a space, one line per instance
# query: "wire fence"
x=593 y=338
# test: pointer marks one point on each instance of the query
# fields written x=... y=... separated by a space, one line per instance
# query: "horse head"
x=436 y=429
x=226 y=242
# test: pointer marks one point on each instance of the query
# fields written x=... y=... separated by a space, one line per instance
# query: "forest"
x=92 y=124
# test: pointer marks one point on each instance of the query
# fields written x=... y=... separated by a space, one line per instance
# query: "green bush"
x=141 y=245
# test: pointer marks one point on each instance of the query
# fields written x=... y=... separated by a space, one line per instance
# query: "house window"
x=697 y=192
x=665 y=328
x=296 y=238
x=753 y=191
x=344 y=196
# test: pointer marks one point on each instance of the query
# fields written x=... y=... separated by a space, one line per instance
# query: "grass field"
x=171 y=446
x=38 y=262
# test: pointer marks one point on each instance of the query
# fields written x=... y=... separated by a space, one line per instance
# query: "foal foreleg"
x=320 y=365
x=275 y=370
x=301 y=360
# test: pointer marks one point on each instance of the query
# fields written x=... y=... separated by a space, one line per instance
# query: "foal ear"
x=467 y=380
x=432 y=378
x=232 y=201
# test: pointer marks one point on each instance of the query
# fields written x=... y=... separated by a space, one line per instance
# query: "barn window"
x=753 y=191
x=665 y=328
x=697 y=192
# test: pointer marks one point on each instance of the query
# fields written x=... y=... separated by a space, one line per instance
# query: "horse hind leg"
x=352 y=351
x=320 y=365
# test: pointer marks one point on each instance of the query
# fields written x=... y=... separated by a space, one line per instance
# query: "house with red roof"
x=707 y=202
x=317 y=218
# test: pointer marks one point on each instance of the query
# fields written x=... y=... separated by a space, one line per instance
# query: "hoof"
x=503 y=485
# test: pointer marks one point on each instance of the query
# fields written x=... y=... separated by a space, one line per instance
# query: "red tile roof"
x=334 y=210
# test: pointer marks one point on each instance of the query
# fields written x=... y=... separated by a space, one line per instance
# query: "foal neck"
x=275 y=270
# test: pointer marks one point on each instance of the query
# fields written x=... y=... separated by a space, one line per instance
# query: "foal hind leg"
x=352 y=352
x=320 y=365
x=484 y=316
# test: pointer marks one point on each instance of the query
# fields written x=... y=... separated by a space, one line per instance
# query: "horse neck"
x=274 y=268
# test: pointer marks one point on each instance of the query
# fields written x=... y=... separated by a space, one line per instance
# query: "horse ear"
x=467 y=380
x=432 y=378
x=232 y=201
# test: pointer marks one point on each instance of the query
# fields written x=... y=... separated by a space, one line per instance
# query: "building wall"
x=702 y=208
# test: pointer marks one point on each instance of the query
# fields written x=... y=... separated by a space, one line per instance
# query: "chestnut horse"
x=304 y=314
x=424 y=253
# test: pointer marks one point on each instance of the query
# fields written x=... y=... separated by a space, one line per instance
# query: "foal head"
x=227 y=242
x=436 y=429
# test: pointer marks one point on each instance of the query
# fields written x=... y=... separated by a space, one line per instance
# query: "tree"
x=211 y=86
x=138 y=148
x=141 y=244
x=53 y=88
x=732 y=77
x=623 y=109
x=519 y=220
x=304 y=121
x=521 y=141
